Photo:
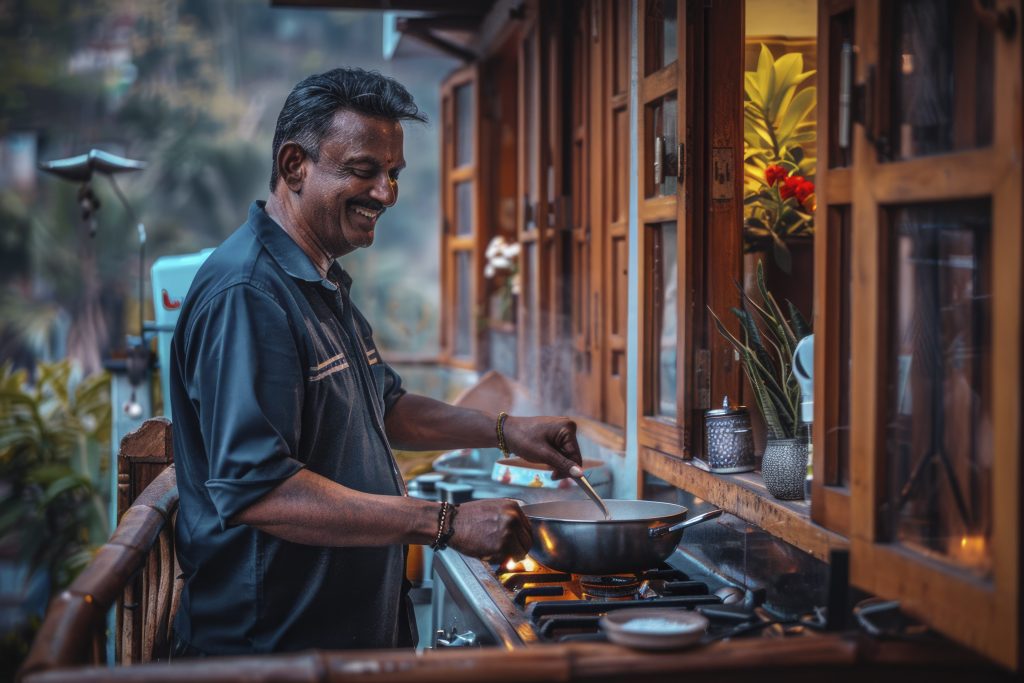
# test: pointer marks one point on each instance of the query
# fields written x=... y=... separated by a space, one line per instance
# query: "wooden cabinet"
x=933 y=189
x=918 y=271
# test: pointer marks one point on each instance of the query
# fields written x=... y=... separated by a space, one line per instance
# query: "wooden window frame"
x=451 y=243
x=709 y=241
x=655 y=432
x=984 y=615
x=533 y=283
x=830 y=505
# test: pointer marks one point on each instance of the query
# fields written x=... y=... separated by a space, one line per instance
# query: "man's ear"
x=291 y=167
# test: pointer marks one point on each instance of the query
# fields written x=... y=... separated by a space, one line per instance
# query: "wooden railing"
x=136 y=569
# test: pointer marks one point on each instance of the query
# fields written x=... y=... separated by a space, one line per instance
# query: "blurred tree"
x=193 y=88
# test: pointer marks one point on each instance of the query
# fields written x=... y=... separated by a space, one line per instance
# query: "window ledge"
x=745 y=496
x=603 y=434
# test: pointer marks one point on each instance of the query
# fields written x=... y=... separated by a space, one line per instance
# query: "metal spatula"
x=592 y=494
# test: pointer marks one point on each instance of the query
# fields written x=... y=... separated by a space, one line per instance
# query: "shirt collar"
x=289 y=255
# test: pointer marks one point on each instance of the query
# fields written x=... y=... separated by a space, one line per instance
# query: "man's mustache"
x=372 y=205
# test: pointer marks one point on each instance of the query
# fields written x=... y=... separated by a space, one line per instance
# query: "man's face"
x=354 y=181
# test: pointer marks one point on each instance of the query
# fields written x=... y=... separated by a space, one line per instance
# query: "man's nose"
x=385 y=190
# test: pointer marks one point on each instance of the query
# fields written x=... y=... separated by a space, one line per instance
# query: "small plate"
x=654 y=628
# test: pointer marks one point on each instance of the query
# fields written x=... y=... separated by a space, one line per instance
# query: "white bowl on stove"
x=651 y=628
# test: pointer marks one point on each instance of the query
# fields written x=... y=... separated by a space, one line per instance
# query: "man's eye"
x=364 y=173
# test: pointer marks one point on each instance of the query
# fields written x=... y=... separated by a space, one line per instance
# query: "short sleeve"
x=246 y=380
x=393 y=389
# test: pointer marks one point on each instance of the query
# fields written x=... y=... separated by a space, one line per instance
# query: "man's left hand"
x=548 y=440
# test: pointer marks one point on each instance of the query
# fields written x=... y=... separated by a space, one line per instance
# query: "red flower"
x=774 y=174
x=790 y=185
x=804 y=190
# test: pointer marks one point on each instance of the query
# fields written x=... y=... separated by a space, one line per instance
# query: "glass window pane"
x=939 y=419
x=464 y=208
x=662 y=36
x=463 y=304
x=839 y=223
x=663 y=122
x=464 y=124
x=942 y=76
x=664 y=294
x=840 y=89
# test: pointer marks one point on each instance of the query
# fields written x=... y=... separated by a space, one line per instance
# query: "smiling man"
x=293 y=516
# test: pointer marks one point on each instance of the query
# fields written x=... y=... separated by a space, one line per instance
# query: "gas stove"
x=521 y=604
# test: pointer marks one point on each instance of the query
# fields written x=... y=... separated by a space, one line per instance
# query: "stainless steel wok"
x=573 y=536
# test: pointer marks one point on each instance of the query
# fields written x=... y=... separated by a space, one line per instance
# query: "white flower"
x=494 y=247
x=489 y=271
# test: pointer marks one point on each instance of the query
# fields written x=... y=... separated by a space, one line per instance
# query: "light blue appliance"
x=171 y=277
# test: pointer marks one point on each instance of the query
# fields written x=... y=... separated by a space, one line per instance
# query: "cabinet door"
x=691 y=211
x=935 y=314
x=663 y=162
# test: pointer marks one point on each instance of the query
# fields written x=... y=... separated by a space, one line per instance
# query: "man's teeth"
x=366 y=212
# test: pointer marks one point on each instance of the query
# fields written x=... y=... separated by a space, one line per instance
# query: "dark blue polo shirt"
x=274 y=369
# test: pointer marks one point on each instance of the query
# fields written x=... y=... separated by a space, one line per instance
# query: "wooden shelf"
x=745 y=496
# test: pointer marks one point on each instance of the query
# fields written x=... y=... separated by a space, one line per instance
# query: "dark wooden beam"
x=440 y=22
x=445 y=46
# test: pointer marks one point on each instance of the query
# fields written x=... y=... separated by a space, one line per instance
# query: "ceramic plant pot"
x=784 y=468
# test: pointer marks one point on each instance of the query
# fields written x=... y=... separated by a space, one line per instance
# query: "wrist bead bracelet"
x=500 y=429
x=445 y=537
x=442 y=516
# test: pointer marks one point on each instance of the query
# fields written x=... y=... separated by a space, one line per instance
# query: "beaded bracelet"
x=442 y=541
x=442 y=516
x=500 y=429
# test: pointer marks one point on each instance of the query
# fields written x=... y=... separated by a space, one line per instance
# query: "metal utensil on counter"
x=592 y=494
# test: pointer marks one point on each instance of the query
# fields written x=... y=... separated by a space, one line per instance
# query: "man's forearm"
x=310 y=509
x=422 y=424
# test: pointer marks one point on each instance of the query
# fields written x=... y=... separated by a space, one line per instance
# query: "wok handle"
x=659 y=531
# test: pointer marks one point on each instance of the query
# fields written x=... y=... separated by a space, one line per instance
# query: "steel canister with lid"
x=728 y=440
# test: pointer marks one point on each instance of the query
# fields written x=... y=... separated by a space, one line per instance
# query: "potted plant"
x=778 y=161
x=766 y=350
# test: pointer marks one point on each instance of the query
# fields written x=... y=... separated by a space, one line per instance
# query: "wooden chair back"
x=136 y=569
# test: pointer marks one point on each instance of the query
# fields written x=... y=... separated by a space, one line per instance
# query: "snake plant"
x=766 y=350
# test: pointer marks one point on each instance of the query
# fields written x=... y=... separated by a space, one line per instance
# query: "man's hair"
x=309 y=110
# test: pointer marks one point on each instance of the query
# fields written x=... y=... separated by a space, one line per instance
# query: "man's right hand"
x=494 y=528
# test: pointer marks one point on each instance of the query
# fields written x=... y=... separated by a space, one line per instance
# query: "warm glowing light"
x=973 y=551
x=527 y=564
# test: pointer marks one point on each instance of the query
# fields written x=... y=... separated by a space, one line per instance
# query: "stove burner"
x=609 y=587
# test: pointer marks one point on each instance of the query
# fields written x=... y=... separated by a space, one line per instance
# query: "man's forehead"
x=359 y=136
